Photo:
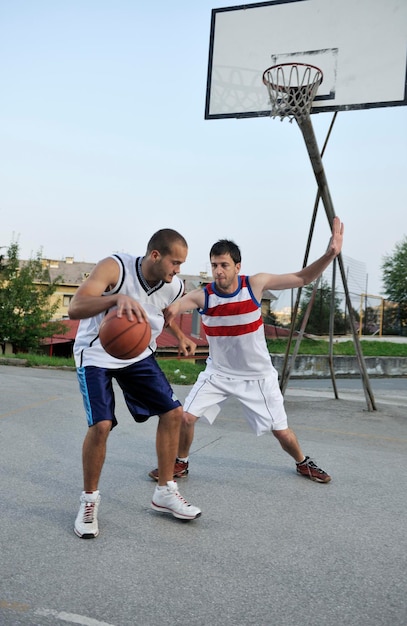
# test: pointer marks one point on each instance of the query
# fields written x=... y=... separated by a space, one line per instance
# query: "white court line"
x=72 y=618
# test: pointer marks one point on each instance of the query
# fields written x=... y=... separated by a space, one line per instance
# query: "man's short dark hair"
x=226 y=246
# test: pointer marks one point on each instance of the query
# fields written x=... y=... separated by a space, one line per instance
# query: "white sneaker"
x=86 y=523
x=169 y=500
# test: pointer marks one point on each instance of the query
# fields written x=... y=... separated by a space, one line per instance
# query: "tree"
x=391 y=318
x=318 y=322
x=25 y=306
x=394 y=268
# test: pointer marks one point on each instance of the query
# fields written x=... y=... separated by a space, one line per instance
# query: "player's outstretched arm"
x=260 y=282
x=192 y=300
x=313 y=271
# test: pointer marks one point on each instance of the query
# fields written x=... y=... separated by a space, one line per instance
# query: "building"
x=69 y=275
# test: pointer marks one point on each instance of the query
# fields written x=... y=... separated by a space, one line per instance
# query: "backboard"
x=360 y=46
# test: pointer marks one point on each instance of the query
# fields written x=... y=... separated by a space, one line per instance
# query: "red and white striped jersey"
x=235 y=333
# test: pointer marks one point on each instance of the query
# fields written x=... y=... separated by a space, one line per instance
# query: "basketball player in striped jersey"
x=239 y=363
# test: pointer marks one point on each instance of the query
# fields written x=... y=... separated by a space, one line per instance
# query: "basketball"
x=124 y=339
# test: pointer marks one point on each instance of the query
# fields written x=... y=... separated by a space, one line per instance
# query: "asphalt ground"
x=270 y=549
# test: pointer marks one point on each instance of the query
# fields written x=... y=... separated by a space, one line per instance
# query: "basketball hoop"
x=292 y=88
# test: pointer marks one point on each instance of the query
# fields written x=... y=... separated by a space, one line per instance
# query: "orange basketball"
x=124 y=339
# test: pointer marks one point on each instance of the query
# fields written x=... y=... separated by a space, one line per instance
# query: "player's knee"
x=189 y=419
x=100 y=431
x=282 y=435
x=172 y=416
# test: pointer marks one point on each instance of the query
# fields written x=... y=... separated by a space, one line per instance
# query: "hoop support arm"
x=319 y=172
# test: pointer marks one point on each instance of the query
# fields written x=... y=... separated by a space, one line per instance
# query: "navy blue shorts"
x=145 y=389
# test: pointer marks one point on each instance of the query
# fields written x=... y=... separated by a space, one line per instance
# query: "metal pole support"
x=316 y=162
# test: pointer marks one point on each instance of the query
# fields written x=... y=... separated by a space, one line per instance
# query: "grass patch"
x=185 y=371
x=383 y=348
x=178 y=371
x=344 y=348
x=41 y=360
x=181 y=372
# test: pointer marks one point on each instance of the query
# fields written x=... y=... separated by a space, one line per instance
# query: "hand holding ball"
x=124 y=339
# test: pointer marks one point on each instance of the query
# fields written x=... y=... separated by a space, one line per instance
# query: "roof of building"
x=69 y=336
x=70 y=273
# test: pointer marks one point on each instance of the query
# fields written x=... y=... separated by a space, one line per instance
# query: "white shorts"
x=262 y=400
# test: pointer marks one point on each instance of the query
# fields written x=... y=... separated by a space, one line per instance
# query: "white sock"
x=170 y=483
x=91 y=495
x=183 y=459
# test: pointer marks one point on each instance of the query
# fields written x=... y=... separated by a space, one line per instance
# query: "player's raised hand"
x=335 y=245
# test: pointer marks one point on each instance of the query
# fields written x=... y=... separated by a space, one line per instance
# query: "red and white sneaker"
x=86 y=523
x=180 y=470
x=310 y=470
x=167 y=499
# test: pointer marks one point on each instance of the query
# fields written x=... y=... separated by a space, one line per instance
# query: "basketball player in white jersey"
x=141 y=287
x=239 y=364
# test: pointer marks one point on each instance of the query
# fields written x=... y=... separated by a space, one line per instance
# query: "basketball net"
x=292 y=88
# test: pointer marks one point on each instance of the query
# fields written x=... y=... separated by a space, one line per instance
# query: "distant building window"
x=67 y=299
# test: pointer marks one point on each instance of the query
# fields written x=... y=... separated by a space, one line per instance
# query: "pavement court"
x=270 y=549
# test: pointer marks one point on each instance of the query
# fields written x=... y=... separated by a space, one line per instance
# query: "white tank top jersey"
x=87 y=347
x=235 y=333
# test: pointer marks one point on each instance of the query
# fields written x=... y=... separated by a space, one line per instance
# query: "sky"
x=104 y=141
